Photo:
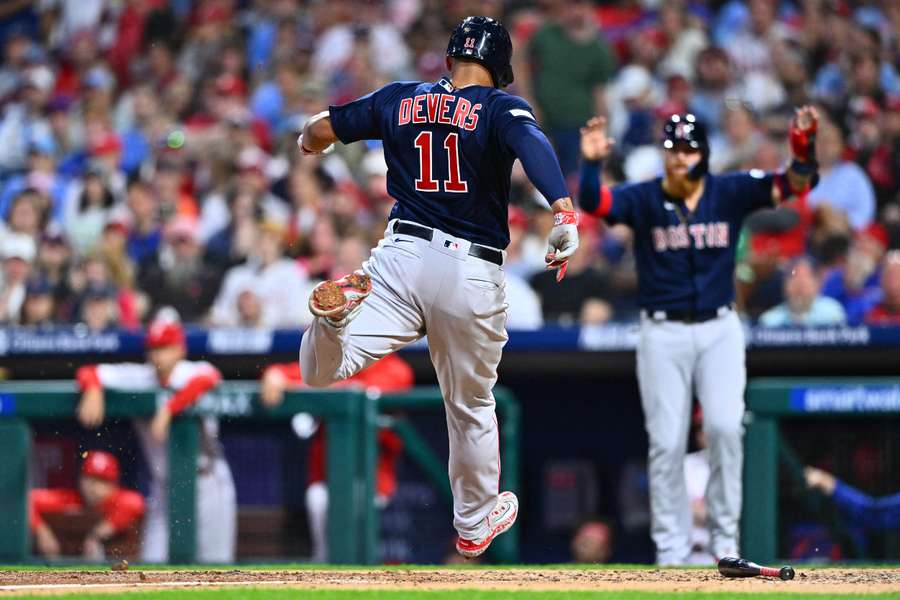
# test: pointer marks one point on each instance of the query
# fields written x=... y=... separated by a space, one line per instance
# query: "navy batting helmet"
x=486 y=41
x=686 y=129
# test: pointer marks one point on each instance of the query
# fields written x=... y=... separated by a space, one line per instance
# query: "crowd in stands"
x=148 y=149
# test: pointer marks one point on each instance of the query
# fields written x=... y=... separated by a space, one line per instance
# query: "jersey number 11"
x=426 y=181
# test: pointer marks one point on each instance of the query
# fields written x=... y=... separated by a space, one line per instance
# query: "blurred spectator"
x=177 y=274
x=42 y=178
x=250 y=193
x=843 y=184
x=233 y=243
x=27 y=214
x=168 y=186
x=53 y=262
x=269 y=279
x=23 y=123
x=736 y=147
x=98 y=308
x=751 y=51
x=93 y=280
x=714 y=82
x=17 y=251
x=685 y=39
x=88 y=207
x=366 y=24
x=145 y=233
x=117 y=509
x=568 y=92
x=39 y=307
x=855 y=284
x=803 y=304
x=887 y=312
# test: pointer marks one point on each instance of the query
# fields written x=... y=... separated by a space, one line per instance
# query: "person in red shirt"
x=98 y=491
x=181 y=383
x=887 y=312
x=390 y=374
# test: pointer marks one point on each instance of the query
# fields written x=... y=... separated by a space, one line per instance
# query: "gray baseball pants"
x=674 y=360
x=434 y=288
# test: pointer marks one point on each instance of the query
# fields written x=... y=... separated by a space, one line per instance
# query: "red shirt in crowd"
x=881 y=315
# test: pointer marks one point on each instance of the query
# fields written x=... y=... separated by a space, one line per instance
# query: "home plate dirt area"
x=808 y=580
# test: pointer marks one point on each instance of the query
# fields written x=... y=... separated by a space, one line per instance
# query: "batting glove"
x=563 y=242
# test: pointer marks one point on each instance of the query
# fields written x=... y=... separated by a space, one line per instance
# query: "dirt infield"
x=807 y=580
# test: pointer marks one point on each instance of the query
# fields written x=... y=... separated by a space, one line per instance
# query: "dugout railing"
x=351 y=417
x=769 y=401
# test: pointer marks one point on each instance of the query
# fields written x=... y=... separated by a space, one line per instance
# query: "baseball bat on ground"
x=741 y=567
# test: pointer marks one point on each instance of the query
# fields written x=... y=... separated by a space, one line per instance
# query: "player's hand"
x=818 y=479
x=159 y=426
x=91 y=409
x=272 y=388
x=304 y=150
x=803 y=133
x=563 y=242
x=92 y=549
x=807 y=117
x=46 y=542
x=595 y=145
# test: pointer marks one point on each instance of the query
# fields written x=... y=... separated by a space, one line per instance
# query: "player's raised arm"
x=803 y=172
x=539 y=161
x=593 y=196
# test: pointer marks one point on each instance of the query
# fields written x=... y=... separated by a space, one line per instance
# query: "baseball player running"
x=686 y=226
x=449 y=146
x=182 y=384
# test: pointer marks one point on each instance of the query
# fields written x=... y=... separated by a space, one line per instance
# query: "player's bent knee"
x=312 y=377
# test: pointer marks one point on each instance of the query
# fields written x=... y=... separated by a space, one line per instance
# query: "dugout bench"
x=769 y=400
x=352 y=418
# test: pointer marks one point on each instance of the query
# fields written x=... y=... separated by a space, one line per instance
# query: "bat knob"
x=786 y=573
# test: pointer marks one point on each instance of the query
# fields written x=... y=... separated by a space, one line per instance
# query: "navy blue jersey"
x=449 y=153
x=687 y=262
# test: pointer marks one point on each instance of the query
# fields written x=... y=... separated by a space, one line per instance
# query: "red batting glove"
x=803 y=141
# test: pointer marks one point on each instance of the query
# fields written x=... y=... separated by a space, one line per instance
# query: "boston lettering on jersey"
x=443 y=109
x=677 y=237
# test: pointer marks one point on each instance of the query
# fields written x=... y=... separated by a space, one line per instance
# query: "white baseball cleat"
x=340 y=300
x=500 y=519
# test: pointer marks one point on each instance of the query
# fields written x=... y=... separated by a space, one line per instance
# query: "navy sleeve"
x=615 y=205
x=360 y=119
x=589 y=186
x=621 y=206
x=522 y=135
x=862 y=509
x=749 y=191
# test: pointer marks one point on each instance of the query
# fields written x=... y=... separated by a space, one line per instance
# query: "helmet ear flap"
x=506 y=77
x=702 y=166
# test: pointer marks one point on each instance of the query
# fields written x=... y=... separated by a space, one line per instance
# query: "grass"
x=285 y=594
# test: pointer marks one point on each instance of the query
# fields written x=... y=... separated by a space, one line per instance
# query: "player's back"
x=447 y=165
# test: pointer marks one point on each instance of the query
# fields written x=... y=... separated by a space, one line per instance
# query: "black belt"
x=688 y=316
x=426 y=233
